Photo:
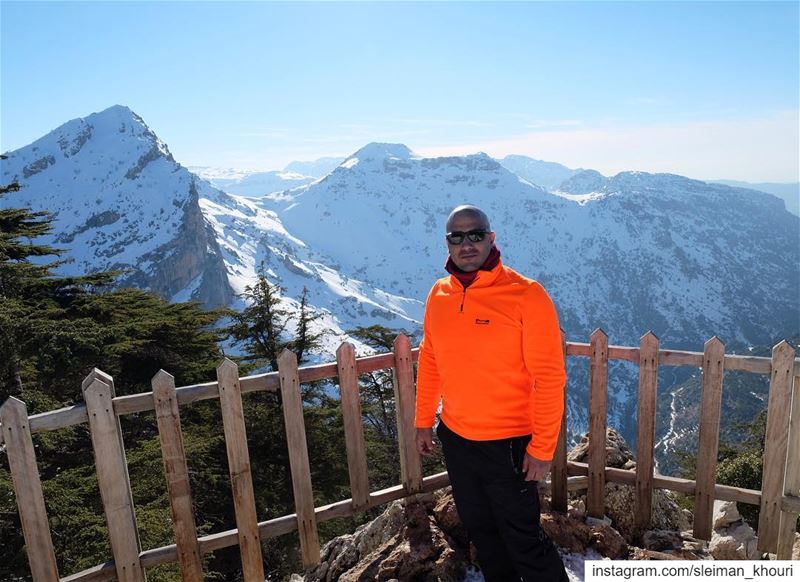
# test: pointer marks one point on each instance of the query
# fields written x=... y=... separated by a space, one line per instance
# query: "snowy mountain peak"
x=116 y=114
x=124 y=120
x=120 y=201
x=116 y=129
x=583 y=182
x=487 y=161
x=381 y=151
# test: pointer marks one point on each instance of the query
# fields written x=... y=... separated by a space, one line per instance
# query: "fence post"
x=791 y=482
x=598 y=418
x=780 y=395
x=244 y=503
x=353 y=425
x=708 y=447
x=28 y=490
x=298 y=457
x=165 y=402
x=558 y=473
x=646 y=421
x=410 y=463
x=112 y=475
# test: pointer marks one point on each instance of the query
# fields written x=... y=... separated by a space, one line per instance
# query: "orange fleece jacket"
x=491 y=353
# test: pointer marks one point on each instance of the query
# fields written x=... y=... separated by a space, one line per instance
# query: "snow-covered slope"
x=121 y=202
x=316 y=168
x=251 y=237
x=651 y=251
x=644 y=251
x=627 y=253
x=250 y=183
x=548 y=175
x=380 y=214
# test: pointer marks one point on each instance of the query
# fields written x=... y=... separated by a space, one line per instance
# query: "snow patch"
x=581 y=199
x=187 y=292
x=348 y=164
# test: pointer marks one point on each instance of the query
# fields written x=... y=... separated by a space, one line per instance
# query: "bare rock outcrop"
x=193 y=255
x=576 y=535
x=421 y=540
x=618 y=453
x=424 y=539
x=678 y=545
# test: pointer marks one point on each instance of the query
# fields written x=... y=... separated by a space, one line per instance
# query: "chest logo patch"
x=481 y=321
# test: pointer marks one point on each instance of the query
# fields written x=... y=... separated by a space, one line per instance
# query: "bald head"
x=468 y=211
x=469 y=255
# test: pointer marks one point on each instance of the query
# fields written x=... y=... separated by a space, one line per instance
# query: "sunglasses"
x=457 y=237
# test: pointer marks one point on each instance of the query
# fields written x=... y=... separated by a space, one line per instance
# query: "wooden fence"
x=779 y=498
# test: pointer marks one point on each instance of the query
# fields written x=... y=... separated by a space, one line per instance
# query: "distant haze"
x=547 y=174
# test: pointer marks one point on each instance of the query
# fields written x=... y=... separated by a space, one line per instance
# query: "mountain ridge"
x=635 y=251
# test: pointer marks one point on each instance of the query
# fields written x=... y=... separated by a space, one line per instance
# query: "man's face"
x=469 y=256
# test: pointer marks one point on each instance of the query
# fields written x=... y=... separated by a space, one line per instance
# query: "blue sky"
x=705 y=89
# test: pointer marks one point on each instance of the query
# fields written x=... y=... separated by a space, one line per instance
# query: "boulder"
x=418 y=552
x=737 y=542
x=661 y=540
x=620 y=506
x=404 y=542
x=725 y=513
x=618 y=453
x=681 y=545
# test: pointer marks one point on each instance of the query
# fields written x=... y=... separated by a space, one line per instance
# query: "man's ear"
x=493 y=236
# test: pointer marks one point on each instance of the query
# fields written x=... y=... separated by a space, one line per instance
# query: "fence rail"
x=779 y=498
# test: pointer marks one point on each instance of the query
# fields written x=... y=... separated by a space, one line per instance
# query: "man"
x=491 y=353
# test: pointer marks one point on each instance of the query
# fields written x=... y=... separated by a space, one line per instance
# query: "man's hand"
x=425 y=441
x=534 y=469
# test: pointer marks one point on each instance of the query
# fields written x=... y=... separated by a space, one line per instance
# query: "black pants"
x=500 y=509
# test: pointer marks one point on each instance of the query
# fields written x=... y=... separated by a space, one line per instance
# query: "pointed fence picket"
x=244 y=503
x=775 y=445
x=646 y=422
x=707 y=450
x=558 y=472
x=779 y=499
x=353 y=426
x=598 y=418
x=791 y=483
x=112 y=476
x=298 y=458
x=177 y=475
x=28 y=489
x=404 y=391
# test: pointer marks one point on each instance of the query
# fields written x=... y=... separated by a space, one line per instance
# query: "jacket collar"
x=483 y=277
